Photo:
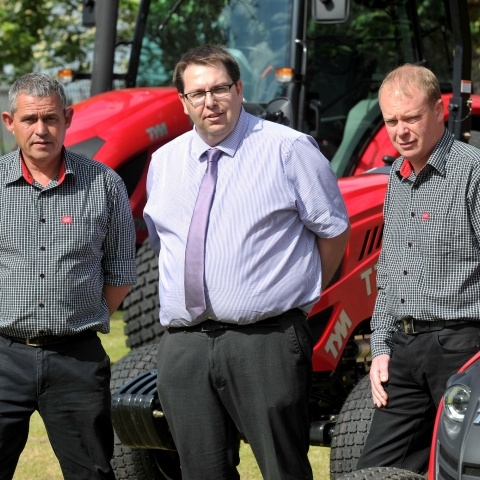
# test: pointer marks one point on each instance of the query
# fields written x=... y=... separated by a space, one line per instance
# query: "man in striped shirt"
x=67 y=259
x=276 y=233
x=426 y=321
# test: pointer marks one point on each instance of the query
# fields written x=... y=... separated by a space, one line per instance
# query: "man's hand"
x=378 y=376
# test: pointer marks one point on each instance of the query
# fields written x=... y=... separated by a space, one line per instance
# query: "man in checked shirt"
x=426 y=321
x=67 y=259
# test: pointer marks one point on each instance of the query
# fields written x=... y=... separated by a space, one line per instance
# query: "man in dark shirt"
x=67 y=259
x=426 y=321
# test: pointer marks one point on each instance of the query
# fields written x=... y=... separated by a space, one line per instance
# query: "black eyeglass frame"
x=211 y=92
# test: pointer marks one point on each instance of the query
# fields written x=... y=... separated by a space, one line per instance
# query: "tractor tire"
x=382 y=473
x=351 y=430
x=140 y=464
x=141 y=305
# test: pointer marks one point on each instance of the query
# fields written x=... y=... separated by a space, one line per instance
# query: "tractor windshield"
x=348 y=61
x=338 y=67
x=256 y=32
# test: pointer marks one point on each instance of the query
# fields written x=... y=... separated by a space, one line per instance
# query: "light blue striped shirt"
x=275 y=193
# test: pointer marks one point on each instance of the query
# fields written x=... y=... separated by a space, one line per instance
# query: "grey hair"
x=36 y=85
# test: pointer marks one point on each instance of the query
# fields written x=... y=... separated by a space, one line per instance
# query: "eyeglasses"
x=198 y=98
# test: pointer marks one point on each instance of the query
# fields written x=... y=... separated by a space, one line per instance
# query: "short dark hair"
x=35 y=85
x=205 y=55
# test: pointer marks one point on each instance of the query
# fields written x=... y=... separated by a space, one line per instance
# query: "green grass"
x=38 y=461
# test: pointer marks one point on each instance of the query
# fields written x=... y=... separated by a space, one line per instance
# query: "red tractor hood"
x=364 y=193
x=115 y=126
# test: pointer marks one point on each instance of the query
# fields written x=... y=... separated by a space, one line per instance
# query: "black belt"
x=213 y=325
x=411 y=326
x=47 y=340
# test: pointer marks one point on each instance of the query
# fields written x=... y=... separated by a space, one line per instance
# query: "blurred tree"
x=474 y=11
x=49 y=34
x=21 y=21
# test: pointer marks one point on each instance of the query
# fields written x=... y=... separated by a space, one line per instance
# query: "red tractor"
x=316 y=66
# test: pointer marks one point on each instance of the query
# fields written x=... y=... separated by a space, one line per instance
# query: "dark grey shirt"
x=59 y=245
x=429 y=266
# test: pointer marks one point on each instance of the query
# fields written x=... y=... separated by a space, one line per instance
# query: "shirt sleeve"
x=119 y=265
x=382 y=323
x=473 y=194
x=150 y=224
x=315 y=190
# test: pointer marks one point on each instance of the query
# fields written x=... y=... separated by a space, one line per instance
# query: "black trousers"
x=69 y=385
x=420 y=366
x=255 y=380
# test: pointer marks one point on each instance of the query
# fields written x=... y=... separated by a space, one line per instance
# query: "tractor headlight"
x=456 y=400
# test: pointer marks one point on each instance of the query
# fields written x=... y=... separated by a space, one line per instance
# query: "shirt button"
x=402 y=300
x=405 y=272
x=410 y=244
x=42 y=220
x=41 y=304
x=42 y=249
x=412 y=214
x=42 y=275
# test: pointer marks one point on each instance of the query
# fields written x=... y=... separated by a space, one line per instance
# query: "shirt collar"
x=18 y=169
x=230 y=144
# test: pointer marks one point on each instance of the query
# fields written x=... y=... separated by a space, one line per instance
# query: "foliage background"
x=48 y=35
x=474 y=10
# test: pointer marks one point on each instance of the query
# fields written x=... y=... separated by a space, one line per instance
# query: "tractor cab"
x=326 y=58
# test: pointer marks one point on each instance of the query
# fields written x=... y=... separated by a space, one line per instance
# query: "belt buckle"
x=209 y=326
x=408 y=326
x=213 y=326
x=33 y=342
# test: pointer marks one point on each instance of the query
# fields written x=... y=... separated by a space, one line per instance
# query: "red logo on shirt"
x=67 y=220
x=425 y=216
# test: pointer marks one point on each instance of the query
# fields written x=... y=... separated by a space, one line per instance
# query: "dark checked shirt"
x=59 y=245
x=429 y=266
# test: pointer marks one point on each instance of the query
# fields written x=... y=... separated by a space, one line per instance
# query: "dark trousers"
x=420 y=366
x=69 y=385
x=255 y=380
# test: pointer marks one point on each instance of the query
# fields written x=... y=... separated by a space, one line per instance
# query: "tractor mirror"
x=330 y=11
x=279 y=110
x=88 y=13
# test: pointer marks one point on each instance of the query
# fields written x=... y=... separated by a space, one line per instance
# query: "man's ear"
x=440 y=109
x=184 y=103
x=8 y=121
x=68 y=116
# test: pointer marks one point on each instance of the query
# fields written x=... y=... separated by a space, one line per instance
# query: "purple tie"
x=195 y=250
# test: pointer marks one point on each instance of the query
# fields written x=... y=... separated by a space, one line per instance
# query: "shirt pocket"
x=81 y=236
